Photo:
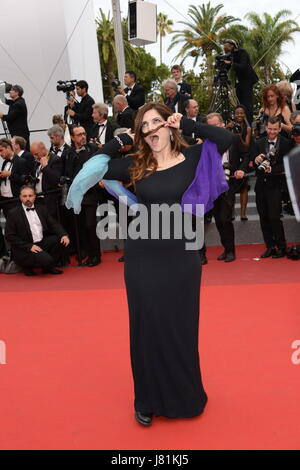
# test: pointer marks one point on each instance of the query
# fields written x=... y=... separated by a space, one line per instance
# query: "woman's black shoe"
x=145 y=420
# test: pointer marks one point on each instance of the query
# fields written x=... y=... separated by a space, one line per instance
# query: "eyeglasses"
x=79 y=135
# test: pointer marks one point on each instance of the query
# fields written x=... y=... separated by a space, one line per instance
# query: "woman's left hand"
x=174 y=120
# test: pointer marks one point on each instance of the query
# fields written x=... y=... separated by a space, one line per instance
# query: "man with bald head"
x=47 y=171
x=125 y=116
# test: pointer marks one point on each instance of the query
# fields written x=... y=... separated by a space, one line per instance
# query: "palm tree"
x=202 y=33
x=267 y=38
x=163 y=28
x=107 y=45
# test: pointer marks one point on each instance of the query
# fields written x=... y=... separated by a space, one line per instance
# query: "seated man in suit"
x=103 y=129
x=174 y=100
x=19 y=147
x=183 y=87
x=57 y=138
x=125 y=116
x=134 y=93
x=34 y=236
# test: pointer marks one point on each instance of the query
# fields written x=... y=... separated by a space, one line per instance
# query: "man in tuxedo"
x=82 y=112
x=47 y=171
x=11 y=176
x=103 y=129
x=80 y=152
x=134 y=93
x=19 y=147
x=268 y=162
x=125 y=116
x=34 y=236
x=173 y=99
x=183 y=87
x=245 y=77
x=58 y=144
x=16 y=117
x=235 y=162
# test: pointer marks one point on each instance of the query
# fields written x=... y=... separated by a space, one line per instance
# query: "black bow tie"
x=129 y=89
x=101 y=125
x=271 y=143
x=56 y=149
x=30 y=209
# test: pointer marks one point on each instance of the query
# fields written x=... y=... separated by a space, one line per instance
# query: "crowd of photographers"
x=35 y=177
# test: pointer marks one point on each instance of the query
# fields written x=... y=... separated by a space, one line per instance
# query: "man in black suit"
x=174 y=100
x=134 y=93
x=47 y=170
x=19 y=147
x=245 y=76
x=235 y=162
x=16 y=117
x=268 y=162
x=34 y=235
x=58 y=145
x=103 y=129
x=82 y=112
x=80 y=152
x=184 y=88
x=125 y=116
x=11 y=176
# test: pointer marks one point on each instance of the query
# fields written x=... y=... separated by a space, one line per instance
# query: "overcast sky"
x=290 y=59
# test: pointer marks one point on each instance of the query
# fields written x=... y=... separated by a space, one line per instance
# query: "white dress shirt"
x=35 y=225
x=5 y=187
x=102 y=132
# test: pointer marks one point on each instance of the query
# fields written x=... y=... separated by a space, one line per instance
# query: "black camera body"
x=65 y=180
x=266 y=163
x=66 y=86
x=236 y=128
x=30 y=180
x=220 y=64
x=226 y=168
x=115 y=83
x=296 y=130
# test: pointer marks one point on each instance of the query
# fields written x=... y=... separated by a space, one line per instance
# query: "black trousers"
x=268 y=203
x=45 y=259
x=244 y=94
x=222 y=211
x=87 y=224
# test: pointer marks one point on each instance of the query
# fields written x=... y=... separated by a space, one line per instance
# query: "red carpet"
x=67 y=382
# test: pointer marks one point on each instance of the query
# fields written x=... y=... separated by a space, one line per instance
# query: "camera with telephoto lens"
x=30 y=180
x=66 y=86
x=266 y=163
x=236 y=128
x=115 y=83
x=296 y=130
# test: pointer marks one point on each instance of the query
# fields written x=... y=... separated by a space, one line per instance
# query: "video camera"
x=296 y=130
x=220 y=65
x=66 y=86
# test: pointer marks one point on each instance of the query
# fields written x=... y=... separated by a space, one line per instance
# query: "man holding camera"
x=245 y=77
x=134 y=93
x=81 y=113
x=268 y=163
x=16 y=117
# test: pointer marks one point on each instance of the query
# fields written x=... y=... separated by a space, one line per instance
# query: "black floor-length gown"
x=163 y=287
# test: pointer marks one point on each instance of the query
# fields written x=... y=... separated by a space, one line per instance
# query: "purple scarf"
x=209 y=181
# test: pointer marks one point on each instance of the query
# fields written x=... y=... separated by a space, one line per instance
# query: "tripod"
x=224 y=97
x=5 y=128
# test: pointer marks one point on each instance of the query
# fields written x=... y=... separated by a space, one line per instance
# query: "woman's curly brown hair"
x=144 y=163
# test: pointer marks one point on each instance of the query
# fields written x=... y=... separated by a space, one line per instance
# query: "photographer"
x=16 y=117
x=45 y=177
x=245 y=77
x=268 y=162
x=235 y=163
x=134 y=93
x=81 y=113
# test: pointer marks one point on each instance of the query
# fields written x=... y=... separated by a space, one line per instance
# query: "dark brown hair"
x=143 y=159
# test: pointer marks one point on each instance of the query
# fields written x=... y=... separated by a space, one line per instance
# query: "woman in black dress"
x=162 y=277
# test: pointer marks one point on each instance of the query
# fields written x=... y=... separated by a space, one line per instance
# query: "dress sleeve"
x=218 y=135
x=112 y=147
